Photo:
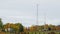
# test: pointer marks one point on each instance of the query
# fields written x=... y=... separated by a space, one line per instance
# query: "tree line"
x=18 y=27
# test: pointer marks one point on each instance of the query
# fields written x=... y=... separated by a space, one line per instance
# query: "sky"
x=24 y=11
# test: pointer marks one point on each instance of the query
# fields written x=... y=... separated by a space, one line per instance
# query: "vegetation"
x=18 y=28
x=1 y=24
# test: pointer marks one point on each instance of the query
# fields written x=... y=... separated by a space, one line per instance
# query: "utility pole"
x=44 y=17
x=37 y=17
x=45 y=21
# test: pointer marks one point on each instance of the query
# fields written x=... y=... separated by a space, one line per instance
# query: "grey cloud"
x=27 y=8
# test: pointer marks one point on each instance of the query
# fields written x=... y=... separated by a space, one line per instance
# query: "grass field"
x=43 y=32
x=36 y=32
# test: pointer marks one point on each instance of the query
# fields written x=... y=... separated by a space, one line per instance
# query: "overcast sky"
x=24 y=11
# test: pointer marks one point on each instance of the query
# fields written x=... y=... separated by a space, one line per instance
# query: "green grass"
x=42 y=32
x=37 y=32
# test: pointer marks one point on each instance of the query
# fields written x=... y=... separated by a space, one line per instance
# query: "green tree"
x=20 y=29
x=20 y=26
x=1 y=24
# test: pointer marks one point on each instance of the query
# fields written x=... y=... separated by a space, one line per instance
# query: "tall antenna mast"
x=37 y=15
x=44 y=17
x=44 y=20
